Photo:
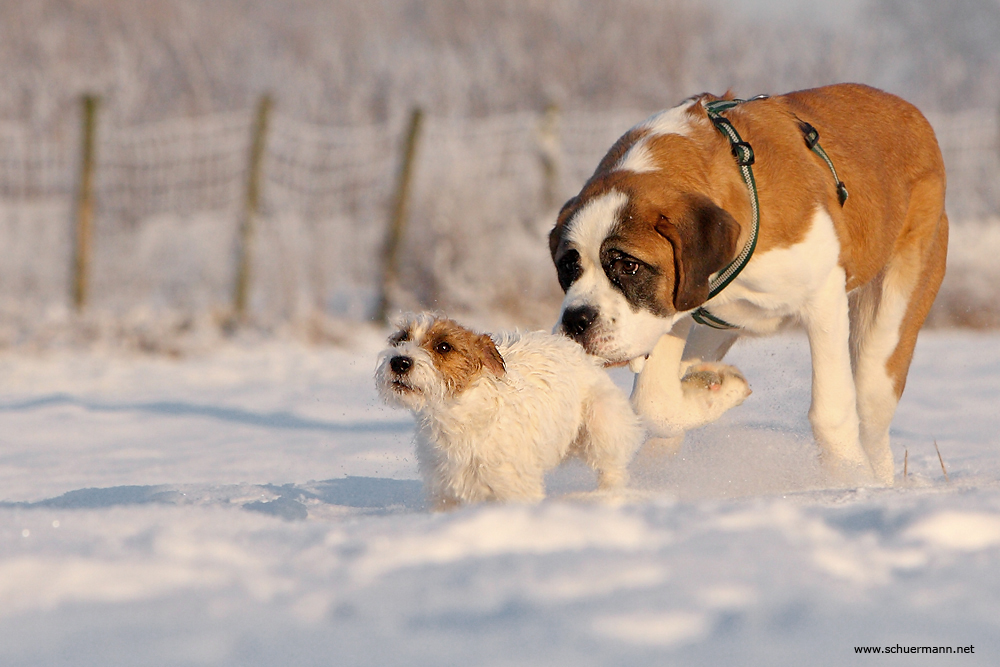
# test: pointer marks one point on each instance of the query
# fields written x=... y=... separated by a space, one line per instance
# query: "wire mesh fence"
x=970 y=143
x=33 y=165
x=181 y=167
x=169 y=196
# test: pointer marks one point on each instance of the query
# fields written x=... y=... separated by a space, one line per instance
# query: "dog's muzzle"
x=576 y=321
x=400 y=365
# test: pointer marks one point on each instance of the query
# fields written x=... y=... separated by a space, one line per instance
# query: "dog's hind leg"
x=886 y=316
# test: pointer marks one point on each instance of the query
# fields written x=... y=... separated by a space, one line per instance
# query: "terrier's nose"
x=577 y=320
x=400 y=365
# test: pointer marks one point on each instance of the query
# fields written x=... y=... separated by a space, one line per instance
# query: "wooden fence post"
x=85 y=203
x=251 y=207
x=398 y=214
x=549 y=154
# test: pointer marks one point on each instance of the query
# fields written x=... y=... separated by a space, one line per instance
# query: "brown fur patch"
x=461 y=355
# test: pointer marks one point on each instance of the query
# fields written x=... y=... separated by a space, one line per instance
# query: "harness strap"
x=702 y=316
x=743 y=153
x=811 y=135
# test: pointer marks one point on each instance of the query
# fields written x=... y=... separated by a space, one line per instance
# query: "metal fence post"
x=85 y=203
x=398 y=214
x=251 y=207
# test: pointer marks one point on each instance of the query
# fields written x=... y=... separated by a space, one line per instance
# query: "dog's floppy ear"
x=554 y=236
x=490 y=356
x=704 y=241
x=568 y=209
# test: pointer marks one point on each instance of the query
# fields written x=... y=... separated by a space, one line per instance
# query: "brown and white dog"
x=667 y=208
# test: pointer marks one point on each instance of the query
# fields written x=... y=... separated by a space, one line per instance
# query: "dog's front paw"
x=720 y=385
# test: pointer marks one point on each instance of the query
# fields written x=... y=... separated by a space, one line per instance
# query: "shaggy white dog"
x=493 y=417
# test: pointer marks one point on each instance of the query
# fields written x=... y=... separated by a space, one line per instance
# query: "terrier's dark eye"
x=569 y=269
x=399 y=337
x=444 y=347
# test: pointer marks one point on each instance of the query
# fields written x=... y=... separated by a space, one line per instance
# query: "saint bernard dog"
x=851 y=245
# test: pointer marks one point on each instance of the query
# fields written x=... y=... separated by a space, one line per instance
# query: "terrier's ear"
x=490 y=356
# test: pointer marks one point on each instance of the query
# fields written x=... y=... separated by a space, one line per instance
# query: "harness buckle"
x=810 y=133
x=841 y=193
x=743 y=152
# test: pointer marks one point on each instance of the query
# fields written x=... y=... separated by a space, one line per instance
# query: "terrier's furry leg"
x=611 y=434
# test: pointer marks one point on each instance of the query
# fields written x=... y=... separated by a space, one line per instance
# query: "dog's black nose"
x=577 y=320
x=400 y=364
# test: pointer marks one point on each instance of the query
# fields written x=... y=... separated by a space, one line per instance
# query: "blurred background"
x=174 y=172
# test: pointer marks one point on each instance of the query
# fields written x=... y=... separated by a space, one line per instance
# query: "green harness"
x=743 y=153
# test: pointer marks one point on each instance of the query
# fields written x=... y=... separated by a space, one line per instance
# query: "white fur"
x=834 y=411
x=778 y=284
x=668 y=404
x=672 y=121
x=496 y=439
x=876 y=336
x=588 y=229
x=593 y=223
x=638 y=158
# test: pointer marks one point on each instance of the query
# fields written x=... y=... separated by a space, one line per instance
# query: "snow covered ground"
x=256 y=505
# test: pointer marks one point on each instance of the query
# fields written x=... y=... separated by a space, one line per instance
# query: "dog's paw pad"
x=702 y=379
x=718 y=380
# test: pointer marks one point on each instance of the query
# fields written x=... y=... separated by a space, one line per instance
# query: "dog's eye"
x=618 y=266
x=569 y=269
x=622 y=265
x=627 y=266
x=444 y=347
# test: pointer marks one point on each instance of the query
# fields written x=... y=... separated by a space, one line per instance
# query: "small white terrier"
x=494 y=417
